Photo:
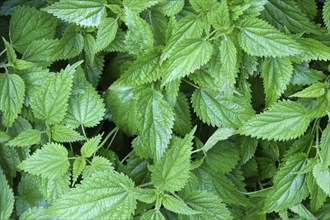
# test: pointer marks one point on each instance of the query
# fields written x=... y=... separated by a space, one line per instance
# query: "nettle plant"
x=165 y=109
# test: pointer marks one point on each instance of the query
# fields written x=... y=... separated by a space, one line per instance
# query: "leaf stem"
x=83 y=130
x=125 y=158
x=191 y=84
x=2 y=52
x=144 y=184
x=113 y=137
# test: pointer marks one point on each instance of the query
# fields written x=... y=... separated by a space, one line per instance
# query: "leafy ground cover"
x=165 y=109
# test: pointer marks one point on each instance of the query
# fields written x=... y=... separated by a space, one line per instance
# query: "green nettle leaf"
x=289 y=188
x=26 y=138
x=121 y=102
x=276 y=74
x=82 y=12
x=99 y=165
x=223 y=157
x=155 y=123
x=29 y=24
x=178 y=206
x=188 y=55
x=312 y=50
x=106 y=195
x=171 y=172
x=145 y=195
x=53 y=188
x=50 y=102
x=144 y=69
x=219 y=135
x=11 y=97
x=79 y=165
x=70 y=45
x=91 y=146
x=284 y=120
x=182 y=117
x=139 y=38
x=215 y=109
x=326 y=15
x=10 y=52
x=303 y=75
x=188 y=27
x=106 y=33
x=303 y=212
x=36 y=213
x=6 y=197
x=287 y=15
x=209 y=205
x=170 y=8
x=322 y=177
x=222 y=21
x=153 y=214
x=89 y=48
x=40 y=51
x=258 y=38
x=61 y=133
x=138 y=6
x=86 y=108
x=314 y=91
x=325 y=147
x=49 y=161
x=227 y=72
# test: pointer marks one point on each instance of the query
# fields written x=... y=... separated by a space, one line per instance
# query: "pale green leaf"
x=61 y=133
x=322 y=177
x=177 y=206
x=50 y=102
x=325 y=147
x=204 y=79
x=107 y=195
x=138 y=6
x=287 y=15
x=326 y=15
x=317 y=196
x=36 y=213
x=11 y=97
x=145 y=195
x=81 y=12
x=222 y=20
x=283 y=120
x=40 y=51
x=258 y=38
x=313 y=91
x=215 y=109
x=276 y=74
x=4 y=137
x=153 y=214
x=155 y=122
x=53 y=188
x=6 y=197
x=303 y=212
x=188 y=27
x=187 y=56
x=289 y=187
x=26 y=138
x=208 y=205
x=70 y=45
x=219 y=135
x=91 y=146
x=29 y=24
x=143 y=70
x=170 y=8
x=106 y=33
x=99 y=164
x=86 y=108
x=79 y=165
x=94 y=69
x=49 y=161
x=139 y=38
x=89 y=48
x=308 y=7
x=171 y=172
x=10 y=52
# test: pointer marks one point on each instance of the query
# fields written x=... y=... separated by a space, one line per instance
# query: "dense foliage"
x=165 y=109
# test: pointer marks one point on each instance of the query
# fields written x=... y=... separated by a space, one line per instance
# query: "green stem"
x=145 y=184
x=83 y=130
x=125 y=158
x=113 y=137
x=2 y=52
x=191 y=84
